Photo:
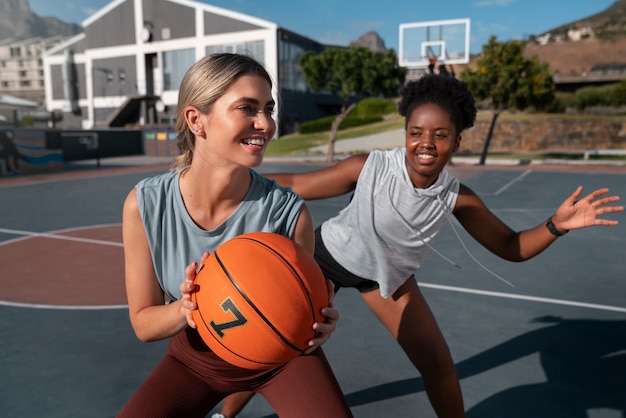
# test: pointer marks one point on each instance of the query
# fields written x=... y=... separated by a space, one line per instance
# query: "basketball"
x=258 y=296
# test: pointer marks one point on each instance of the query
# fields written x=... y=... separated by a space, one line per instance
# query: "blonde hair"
x=205 y=82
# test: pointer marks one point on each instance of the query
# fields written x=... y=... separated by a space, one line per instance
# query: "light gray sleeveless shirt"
x=384 y=233
x=174 y=238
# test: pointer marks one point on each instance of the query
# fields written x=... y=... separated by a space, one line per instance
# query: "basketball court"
x=554 y=345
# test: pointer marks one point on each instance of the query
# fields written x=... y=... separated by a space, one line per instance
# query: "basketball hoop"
x=433 y=42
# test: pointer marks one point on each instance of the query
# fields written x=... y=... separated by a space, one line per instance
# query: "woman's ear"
x=192 y=116
x=457 y=144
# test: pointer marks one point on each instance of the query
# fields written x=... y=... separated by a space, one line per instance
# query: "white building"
x=125 y=68
x=21 y=67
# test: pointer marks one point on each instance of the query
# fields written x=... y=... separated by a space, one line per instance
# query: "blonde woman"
x=171 y=221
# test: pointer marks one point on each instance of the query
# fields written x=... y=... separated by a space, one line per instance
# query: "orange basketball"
x=258 y=296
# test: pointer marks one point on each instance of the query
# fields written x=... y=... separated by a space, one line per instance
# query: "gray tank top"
x=385 y=232
x=174 y=238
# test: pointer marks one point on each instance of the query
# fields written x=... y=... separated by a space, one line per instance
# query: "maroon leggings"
x=190 y=380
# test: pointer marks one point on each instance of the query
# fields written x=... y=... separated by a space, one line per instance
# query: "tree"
x=509 y=79
x=352 y=73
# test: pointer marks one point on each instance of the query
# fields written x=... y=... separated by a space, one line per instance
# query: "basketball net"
x=433 y=68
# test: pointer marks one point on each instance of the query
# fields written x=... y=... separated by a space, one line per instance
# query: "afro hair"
x=443 y=90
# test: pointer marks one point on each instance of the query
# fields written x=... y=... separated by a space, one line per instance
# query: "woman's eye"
x=269 y=111
x=248 y=110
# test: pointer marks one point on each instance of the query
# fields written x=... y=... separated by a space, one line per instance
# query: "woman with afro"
x=402 y=199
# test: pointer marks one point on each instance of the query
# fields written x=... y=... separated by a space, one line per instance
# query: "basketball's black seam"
x=254 y=307
x=302 y=286
x=265 y=363
x=219 y=341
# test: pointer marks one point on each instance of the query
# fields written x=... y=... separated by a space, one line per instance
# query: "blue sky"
x=338 y=22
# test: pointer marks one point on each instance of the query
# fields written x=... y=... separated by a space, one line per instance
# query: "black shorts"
x=334 y=272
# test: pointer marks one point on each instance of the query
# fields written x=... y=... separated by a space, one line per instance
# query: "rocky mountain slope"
x=18 y=22
x=578 y=47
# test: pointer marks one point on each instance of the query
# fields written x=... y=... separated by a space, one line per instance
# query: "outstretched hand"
x=576 y=212
x=188 y=287
x=327 y=327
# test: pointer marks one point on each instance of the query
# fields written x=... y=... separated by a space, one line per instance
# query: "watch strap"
x=553 y=229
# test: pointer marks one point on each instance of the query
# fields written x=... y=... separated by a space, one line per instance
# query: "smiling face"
x=431 y=138
x=240 y=125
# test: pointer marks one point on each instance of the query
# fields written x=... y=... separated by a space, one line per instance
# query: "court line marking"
x=422 y=284
x=86 y=174
x=55 y=235
x=510 y=183
x=426 y=285
x=525 y=297
x=61 y=307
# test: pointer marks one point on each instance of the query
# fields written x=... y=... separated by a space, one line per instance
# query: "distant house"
x=126 y=67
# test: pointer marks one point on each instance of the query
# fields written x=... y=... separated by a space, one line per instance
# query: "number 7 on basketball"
x=239 y=320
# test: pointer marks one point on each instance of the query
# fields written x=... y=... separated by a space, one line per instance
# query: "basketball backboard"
x=447 y=41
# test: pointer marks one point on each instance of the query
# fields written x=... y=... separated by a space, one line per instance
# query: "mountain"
x=18 y=22
x=607 y=24
x=597 y=41
x=372 y=41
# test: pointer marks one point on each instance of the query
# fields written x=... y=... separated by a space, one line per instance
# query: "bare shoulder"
x=131 y=197
x=467 y=199
x=131 y=204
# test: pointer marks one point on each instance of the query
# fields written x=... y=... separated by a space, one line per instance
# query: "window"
x=290 y=74
x=254 y=49
x=175 y=64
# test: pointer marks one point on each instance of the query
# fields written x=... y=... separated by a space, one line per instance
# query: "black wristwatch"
x=553 y=229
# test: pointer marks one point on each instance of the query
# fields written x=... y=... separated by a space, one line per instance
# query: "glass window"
x=175 y=64
x=290 y=74
x=255 y=49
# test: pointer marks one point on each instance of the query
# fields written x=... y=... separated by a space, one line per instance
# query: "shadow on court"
x=584 y=363
x=554 y=345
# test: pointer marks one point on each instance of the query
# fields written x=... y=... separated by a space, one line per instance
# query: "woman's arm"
x=332 y=181
x=500 y=239
x=151 y=318
x=304 y=236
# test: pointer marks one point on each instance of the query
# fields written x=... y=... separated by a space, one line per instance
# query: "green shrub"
x=374 y=106
x=566 y=99
x=593 y=96
x=562 y=101
x=618 y=95
x=324 y=124
x=366 y=111
x=317 y=125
